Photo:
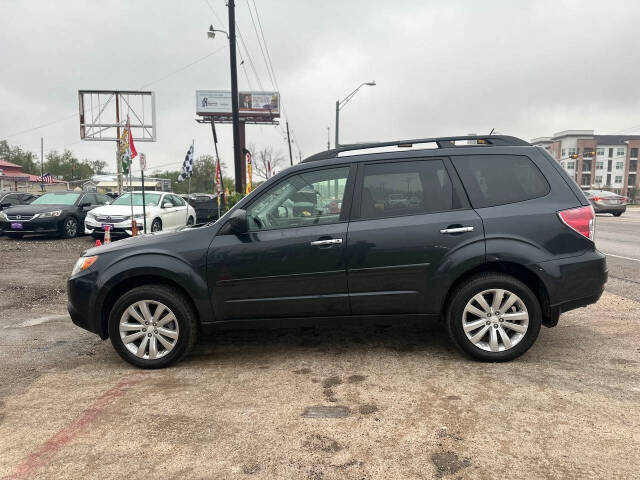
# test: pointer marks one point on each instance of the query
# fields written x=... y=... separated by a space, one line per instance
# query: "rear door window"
x=406 y=188
x=500 y=179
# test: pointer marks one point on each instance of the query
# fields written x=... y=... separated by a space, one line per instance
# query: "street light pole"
x=237 y=154
x=341 y=103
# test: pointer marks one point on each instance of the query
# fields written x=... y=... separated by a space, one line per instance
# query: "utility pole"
x=42 y=163
x=328 y=142
x=237 y=153
x=336 y=144
x=289 y=141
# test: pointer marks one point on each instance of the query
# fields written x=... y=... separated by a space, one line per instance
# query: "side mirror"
x=238 y=222
x=85 y=205
x=167 y=204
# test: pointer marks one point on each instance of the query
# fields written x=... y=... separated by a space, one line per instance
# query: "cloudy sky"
x=442 y=68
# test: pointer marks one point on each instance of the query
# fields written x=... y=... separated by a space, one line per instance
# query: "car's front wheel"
x=152 y=326
x=494 y=317
x=156 y=225
x=70 y=228
x=617 y=214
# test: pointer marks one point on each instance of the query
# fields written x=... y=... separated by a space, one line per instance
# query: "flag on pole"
x=187 y=165
x=127 y=148
x=247 y=154
x=46 y=178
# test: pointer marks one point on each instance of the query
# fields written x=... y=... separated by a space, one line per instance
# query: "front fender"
x=163 y=266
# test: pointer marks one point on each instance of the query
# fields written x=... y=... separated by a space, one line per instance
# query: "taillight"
x=596 y=199
x=581 y=219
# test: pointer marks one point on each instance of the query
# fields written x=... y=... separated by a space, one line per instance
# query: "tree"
x=67 y=166
x=261 y=160
x=27 y=160
x=98 y=166
x=203 y=177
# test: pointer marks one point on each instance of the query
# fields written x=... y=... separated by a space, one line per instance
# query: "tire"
x=156 y=225
x=491 y=346
x=184 y=326
x=190 y=221
x=70 y=228
x=617 y=214
x=17 y=236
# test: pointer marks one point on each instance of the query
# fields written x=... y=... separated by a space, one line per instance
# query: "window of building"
x=633 y=166
x=632 y=179
x=306 y=199
x=573 y=151
x=588 y=152
x=406 y=188
x=610 y=152
x=586 y=179
x=586 y=165
x=633 y=153
x=619 y=165
x=599 y=165
x=620 y=152
x=500 y=179
x=571 y=165
x=600 y=152
x=563 y=153
x=618 y=179
x=599 y=179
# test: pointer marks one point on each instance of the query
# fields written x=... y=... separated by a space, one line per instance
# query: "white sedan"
x=165 y=211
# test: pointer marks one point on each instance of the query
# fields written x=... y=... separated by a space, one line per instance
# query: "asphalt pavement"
x=619 y=239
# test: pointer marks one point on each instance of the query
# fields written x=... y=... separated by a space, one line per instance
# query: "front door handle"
x=331 y=241
x=457 y=230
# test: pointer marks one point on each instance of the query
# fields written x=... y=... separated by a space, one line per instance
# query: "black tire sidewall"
x=180 y=308
x=158 y=222
x=64 y=227
x=486 y=282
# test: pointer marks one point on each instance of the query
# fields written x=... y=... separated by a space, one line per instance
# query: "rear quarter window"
x=500 y=179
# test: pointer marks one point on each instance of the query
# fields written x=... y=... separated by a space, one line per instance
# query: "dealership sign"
x=218 y=102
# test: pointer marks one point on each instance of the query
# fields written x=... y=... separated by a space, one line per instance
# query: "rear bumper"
x=609 y=208
x=573 y=282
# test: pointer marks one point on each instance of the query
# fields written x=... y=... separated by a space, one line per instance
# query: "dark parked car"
x=205 y=205
x=607 y=202
x=60 y=213
x=9 y=199
x=497 y=241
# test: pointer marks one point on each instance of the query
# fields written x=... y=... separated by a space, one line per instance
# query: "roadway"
x=619 y=239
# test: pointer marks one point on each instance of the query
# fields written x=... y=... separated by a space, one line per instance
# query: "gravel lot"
x=321 y=403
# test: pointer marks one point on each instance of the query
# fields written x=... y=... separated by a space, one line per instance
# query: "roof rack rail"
x=441 y=142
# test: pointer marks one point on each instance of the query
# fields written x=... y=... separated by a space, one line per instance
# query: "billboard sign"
x=251 y=104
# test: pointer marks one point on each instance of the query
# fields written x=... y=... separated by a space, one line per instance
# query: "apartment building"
x=607 y=162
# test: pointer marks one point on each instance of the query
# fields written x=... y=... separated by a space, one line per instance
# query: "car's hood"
x=170 y=241
x=118 y=210
x=33 y=209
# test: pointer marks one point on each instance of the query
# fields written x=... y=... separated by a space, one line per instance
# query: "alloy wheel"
x=149 y=329
x=495 y=320
x=71 y=227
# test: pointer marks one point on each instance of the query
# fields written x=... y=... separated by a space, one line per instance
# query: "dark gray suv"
x=487 y=233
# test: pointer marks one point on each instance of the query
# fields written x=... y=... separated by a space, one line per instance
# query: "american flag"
x=46 y=178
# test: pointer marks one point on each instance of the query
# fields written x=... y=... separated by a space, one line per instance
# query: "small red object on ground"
x=98 y=243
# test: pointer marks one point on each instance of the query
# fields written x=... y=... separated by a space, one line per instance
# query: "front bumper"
x=37 y=225
x=121 y=228
x=81 y=304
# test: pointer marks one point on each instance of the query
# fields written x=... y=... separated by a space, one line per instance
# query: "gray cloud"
x=442 y=67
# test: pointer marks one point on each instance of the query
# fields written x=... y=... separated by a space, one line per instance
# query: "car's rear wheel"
x=494 y=317
x=617 y=214
x=152 y=326
x=70 y=228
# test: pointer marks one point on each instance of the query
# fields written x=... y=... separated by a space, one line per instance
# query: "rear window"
x=500 y=179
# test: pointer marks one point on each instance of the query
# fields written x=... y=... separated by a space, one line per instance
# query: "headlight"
x=55 y=213
x=3 y=216
x=83 y=263
x=91 y=216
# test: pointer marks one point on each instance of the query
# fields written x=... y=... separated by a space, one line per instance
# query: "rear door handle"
x=331 y=241
x=457 y=230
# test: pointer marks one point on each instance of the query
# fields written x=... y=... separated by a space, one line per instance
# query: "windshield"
x=150 y=199
x=65 y=198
